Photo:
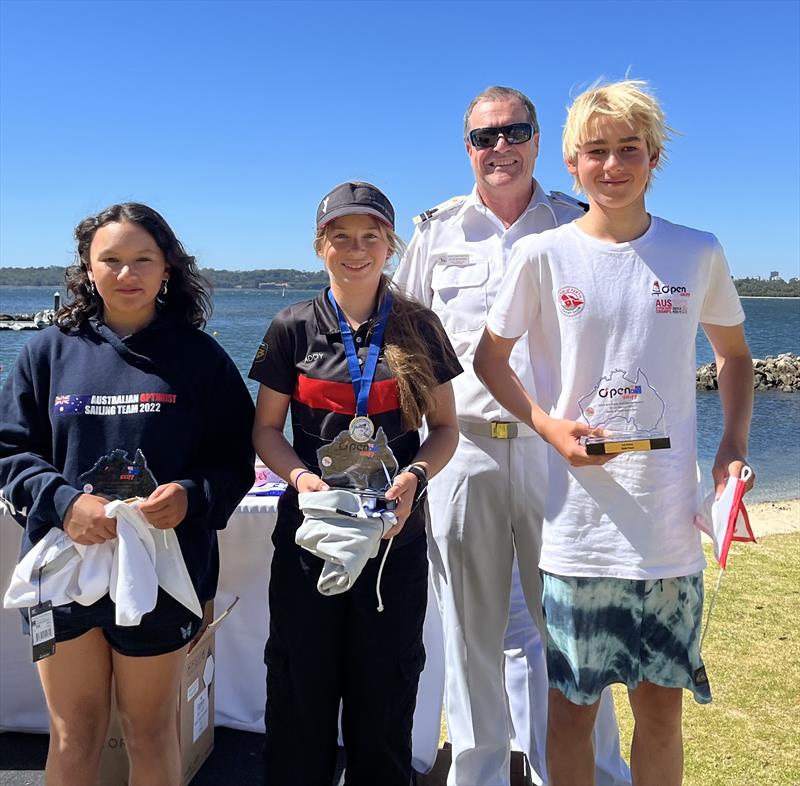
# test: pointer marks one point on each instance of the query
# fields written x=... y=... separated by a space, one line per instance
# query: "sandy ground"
x=772 y=518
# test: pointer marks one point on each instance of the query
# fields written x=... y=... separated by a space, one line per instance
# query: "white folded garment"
x=340 y=531
x=69 y=572
x=95 y=568
x=133 y=583
x=130 y=567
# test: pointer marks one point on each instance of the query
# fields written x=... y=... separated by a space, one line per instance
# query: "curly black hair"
x=189 y=295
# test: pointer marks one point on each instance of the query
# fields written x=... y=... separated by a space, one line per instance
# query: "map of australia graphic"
x=117 y=476
x=622 y=405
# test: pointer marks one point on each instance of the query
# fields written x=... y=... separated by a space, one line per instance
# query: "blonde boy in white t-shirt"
x=611 y=304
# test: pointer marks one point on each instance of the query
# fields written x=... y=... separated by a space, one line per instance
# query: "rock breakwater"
x=780 y=372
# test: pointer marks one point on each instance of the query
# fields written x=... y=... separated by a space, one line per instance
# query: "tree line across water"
x=53 y=276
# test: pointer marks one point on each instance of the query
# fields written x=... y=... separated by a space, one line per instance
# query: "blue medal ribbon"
x=362 y=379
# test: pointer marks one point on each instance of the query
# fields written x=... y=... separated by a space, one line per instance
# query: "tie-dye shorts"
x=605 y=630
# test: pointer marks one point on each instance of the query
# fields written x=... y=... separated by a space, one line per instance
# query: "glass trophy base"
x=609 y=446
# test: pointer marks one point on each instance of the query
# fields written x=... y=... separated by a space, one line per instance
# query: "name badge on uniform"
x=43 y=631
x=458 y=260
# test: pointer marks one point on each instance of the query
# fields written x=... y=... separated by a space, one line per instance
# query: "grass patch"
x=748 y=735
x=749 y=732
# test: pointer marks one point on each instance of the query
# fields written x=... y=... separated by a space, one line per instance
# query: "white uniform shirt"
x=454 y=265
x=592 y=308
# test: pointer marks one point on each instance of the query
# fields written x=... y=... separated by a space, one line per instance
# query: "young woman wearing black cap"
x=360 y=366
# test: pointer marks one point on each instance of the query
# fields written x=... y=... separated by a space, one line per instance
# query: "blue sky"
x=233 y=119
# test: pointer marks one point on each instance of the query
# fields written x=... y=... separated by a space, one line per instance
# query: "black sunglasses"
x=514 y=134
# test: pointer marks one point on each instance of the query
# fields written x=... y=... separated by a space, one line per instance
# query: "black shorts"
x=168 y=627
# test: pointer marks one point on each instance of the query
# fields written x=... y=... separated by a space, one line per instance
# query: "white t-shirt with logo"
x=621 y=317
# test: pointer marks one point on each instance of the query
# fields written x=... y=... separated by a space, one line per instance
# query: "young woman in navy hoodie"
x=125 y=396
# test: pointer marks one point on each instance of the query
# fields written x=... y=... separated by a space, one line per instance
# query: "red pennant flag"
x=728 y=519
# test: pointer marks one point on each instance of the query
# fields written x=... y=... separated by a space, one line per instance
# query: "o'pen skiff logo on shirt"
x=570 y=301
x=261 y=352
x=669 y=298
x=668 y=289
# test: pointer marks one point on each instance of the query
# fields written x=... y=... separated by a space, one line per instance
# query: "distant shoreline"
x=216 y=287
x=274 y=279
x=308 y=288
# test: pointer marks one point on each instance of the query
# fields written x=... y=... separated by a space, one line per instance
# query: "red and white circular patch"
x=570 y=301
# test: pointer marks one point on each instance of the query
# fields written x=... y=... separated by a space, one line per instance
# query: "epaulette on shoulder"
x=427 y=215
x=560 y=198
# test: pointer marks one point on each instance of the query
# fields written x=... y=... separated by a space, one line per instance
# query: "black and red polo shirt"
x=302 y=355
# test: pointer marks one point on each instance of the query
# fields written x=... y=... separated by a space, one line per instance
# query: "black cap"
x=349 y=198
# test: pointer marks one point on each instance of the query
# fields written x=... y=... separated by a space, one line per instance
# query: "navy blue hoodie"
x=77 y=399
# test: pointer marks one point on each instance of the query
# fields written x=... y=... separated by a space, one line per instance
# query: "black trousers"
x=325 y=649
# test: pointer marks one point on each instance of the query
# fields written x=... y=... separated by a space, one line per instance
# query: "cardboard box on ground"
x=195 y=710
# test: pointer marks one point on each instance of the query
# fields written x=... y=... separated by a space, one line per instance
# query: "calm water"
x=772 y=327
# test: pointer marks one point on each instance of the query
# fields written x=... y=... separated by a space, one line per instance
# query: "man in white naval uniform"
x=487 y=504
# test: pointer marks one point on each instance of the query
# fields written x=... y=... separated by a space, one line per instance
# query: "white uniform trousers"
x=526 y=687
x=485 y=504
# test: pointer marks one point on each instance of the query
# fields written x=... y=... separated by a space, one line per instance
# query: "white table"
x=245 y=558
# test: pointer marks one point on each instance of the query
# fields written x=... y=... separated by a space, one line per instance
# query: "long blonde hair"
x=407 y=347
x=408 y=353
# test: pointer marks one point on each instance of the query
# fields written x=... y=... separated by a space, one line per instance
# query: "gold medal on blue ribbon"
x=361 y=429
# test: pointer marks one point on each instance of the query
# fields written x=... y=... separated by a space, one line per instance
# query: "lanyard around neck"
x=362 y=379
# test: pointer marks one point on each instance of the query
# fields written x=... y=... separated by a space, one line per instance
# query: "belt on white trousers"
x=496 y=429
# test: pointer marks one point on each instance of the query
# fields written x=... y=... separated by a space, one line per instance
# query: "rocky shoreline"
x=37 y=321
x=781 y=372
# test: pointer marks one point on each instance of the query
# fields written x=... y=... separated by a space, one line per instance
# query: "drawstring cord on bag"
x=391 y=522
x=380 y=573
x=388 y=546
x=416 y=504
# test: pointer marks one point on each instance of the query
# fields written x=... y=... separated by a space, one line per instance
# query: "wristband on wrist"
x=300 y=475
x=418 y=471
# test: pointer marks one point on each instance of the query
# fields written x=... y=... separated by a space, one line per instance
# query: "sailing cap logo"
x=570 y=301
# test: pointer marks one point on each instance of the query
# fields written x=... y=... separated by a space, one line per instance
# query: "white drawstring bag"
x=342 y=532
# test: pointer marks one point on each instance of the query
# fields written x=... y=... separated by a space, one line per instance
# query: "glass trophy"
x=625 y=413
x=117 y=476
x=366 y=466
